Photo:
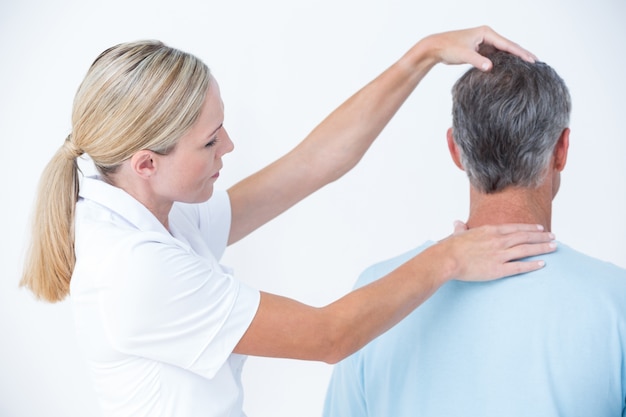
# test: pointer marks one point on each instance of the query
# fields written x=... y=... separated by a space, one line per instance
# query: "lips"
x=217 y=174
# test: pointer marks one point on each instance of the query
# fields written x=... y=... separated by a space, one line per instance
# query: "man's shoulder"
x=382 y=268
x=578 y=263
x=578 y=276
x=566 y=261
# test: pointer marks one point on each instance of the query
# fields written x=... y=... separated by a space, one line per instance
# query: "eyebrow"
x=215 y=131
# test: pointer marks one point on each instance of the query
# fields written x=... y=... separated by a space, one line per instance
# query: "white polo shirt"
x=156 y=314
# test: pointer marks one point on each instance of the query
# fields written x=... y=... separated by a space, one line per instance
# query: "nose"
x=227 y=143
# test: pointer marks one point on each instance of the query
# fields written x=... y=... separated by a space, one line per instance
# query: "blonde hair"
x=138 y=95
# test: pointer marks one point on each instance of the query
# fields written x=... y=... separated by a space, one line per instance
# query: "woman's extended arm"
x=340 y=140
x=286 y=328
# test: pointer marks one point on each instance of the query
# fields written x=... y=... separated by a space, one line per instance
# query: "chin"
x=198 y=198
x=206 y=195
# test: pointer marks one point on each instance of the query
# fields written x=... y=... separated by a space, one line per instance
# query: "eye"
x=212 y=142
x=215 y=137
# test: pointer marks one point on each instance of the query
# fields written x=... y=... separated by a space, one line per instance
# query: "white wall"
x=282 y=66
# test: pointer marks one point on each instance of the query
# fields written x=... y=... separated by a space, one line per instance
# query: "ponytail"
x=138 y=95
x=51 y=258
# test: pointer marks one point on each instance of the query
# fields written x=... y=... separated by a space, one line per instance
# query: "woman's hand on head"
x=490 y=252
x=464 y=46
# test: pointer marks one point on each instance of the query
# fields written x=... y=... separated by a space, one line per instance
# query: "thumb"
x=481 y=62
x=459 y=227
x=476 y=59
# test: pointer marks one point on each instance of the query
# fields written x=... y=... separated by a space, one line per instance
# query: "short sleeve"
x=345 y=394
x=176 y=307
x=346 y=391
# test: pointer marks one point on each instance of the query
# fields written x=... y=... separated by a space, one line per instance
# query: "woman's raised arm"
x=339 y=141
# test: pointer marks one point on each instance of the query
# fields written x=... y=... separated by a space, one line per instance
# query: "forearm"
x=289 y=329
x=341 y=140
x=330 y=150
x=369 y=311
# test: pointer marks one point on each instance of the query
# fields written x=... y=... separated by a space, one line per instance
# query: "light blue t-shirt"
x=547 y=343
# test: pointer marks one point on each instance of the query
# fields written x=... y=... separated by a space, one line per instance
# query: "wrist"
x=422 y=56
x=445 y=265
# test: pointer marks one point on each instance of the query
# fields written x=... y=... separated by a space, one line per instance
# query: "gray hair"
x=507 y=121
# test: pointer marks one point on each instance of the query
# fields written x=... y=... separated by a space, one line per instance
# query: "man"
x=549 y=343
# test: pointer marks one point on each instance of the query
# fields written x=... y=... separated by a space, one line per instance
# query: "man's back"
x=549 y=343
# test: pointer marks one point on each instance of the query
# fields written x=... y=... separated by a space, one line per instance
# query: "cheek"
x=201 y=165
x=186 y=173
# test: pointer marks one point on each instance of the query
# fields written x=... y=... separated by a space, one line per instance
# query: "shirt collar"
x=117 y=200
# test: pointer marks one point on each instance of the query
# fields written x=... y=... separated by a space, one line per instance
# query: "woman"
x=165 y=328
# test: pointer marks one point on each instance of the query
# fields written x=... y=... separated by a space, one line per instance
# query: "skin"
x=338 y=143
x=189 y=172
x=286 y=328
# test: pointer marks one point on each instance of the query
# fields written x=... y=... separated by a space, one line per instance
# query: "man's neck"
x=513 y=205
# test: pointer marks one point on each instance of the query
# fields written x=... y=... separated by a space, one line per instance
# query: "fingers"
x=509 y=228
x=490 y=37
x=481 y=62
x=491 y=40
x=495 y=251
x=523 y=240
x=520 y=267
x=470 y=46
x=527 y=250
x=459 y=227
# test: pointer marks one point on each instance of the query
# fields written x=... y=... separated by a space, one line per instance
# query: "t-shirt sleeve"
x=177 y=307
x=345 y=394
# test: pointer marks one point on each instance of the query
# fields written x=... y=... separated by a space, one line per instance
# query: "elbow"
x=337 y=344
x=335 y=359
x=333 y=355
x=340 y=351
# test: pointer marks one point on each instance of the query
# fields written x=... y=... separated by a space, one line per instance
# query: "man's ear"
x=454 y=150
x=142 y=163
x=561 y=149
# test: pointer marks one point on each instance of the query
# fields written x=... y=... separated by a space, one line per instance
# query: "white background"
x=282 y=66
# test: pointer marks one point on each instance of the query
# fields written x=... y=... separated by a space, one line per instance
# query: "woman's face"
x=187 y=174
